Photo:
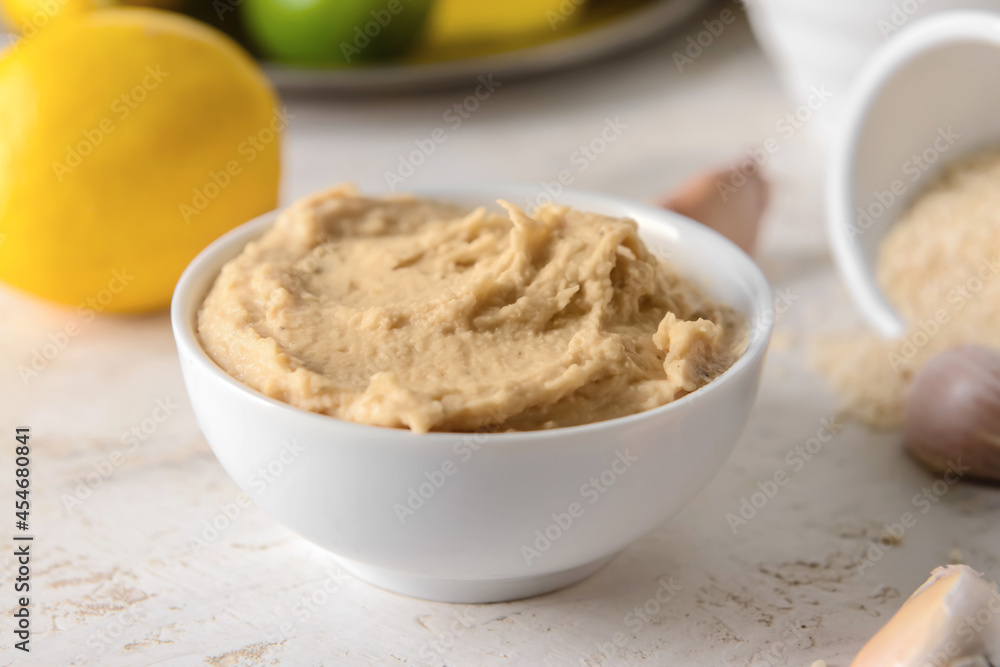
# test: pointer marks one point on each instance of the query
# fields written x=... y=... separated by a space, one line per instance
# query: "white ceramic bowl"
x=475 y=501
x=929 y=96
x=826 y=43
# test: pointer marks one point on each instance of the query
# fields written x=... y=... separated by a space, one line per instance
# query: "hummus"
x=417 y=314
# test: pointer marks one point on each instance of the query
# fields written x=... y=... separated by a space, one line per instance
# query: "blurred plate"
x=604 y=38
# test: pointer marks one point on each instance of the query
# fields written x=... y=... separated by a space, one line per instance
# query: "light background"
x=784 y=590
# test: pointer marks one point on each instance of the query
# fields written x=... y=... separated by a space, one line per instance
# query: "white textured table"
x=119 y=497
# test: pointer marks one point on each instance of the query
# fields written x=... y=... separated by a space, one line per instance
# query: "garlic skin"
x=953 y=411
x=952 y=620
x=730 y=201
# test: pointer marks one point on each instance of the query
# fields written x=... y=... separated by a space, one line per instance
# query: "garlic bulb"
x=953 y=412
x=952 y=620
x=731 y=201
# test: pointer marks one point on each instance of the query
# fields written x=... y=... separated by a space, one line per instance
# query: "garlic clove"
x=953 y=412
x=729 y=200
x=952 y=619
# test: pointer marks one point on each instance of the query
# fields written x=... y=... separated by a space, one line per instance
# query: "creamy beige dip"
x=416 y=314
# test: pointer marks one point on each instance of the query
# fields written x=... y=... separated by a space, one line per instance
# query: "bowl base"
x=470 y=591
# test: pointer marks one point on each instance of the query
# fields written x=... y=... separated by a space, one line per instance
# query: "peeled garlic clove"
x=953 y=411
x=953 y=619
x=730 y=201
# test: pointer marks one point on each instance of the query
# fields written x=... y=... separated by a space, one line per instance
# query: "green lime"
x=332 y=32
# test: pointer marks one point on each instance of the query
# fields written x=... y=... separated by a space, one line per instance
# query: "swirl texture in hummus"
x=410 y=313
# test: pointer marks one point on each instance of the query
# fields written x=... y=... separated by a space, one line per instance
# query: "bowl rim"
x=194 y=284
x=938 y=30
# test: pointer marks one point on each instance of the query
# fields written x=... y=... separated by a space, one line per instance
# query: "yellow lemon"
x=30 y=16
x=463 y=21
x=129 y=139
